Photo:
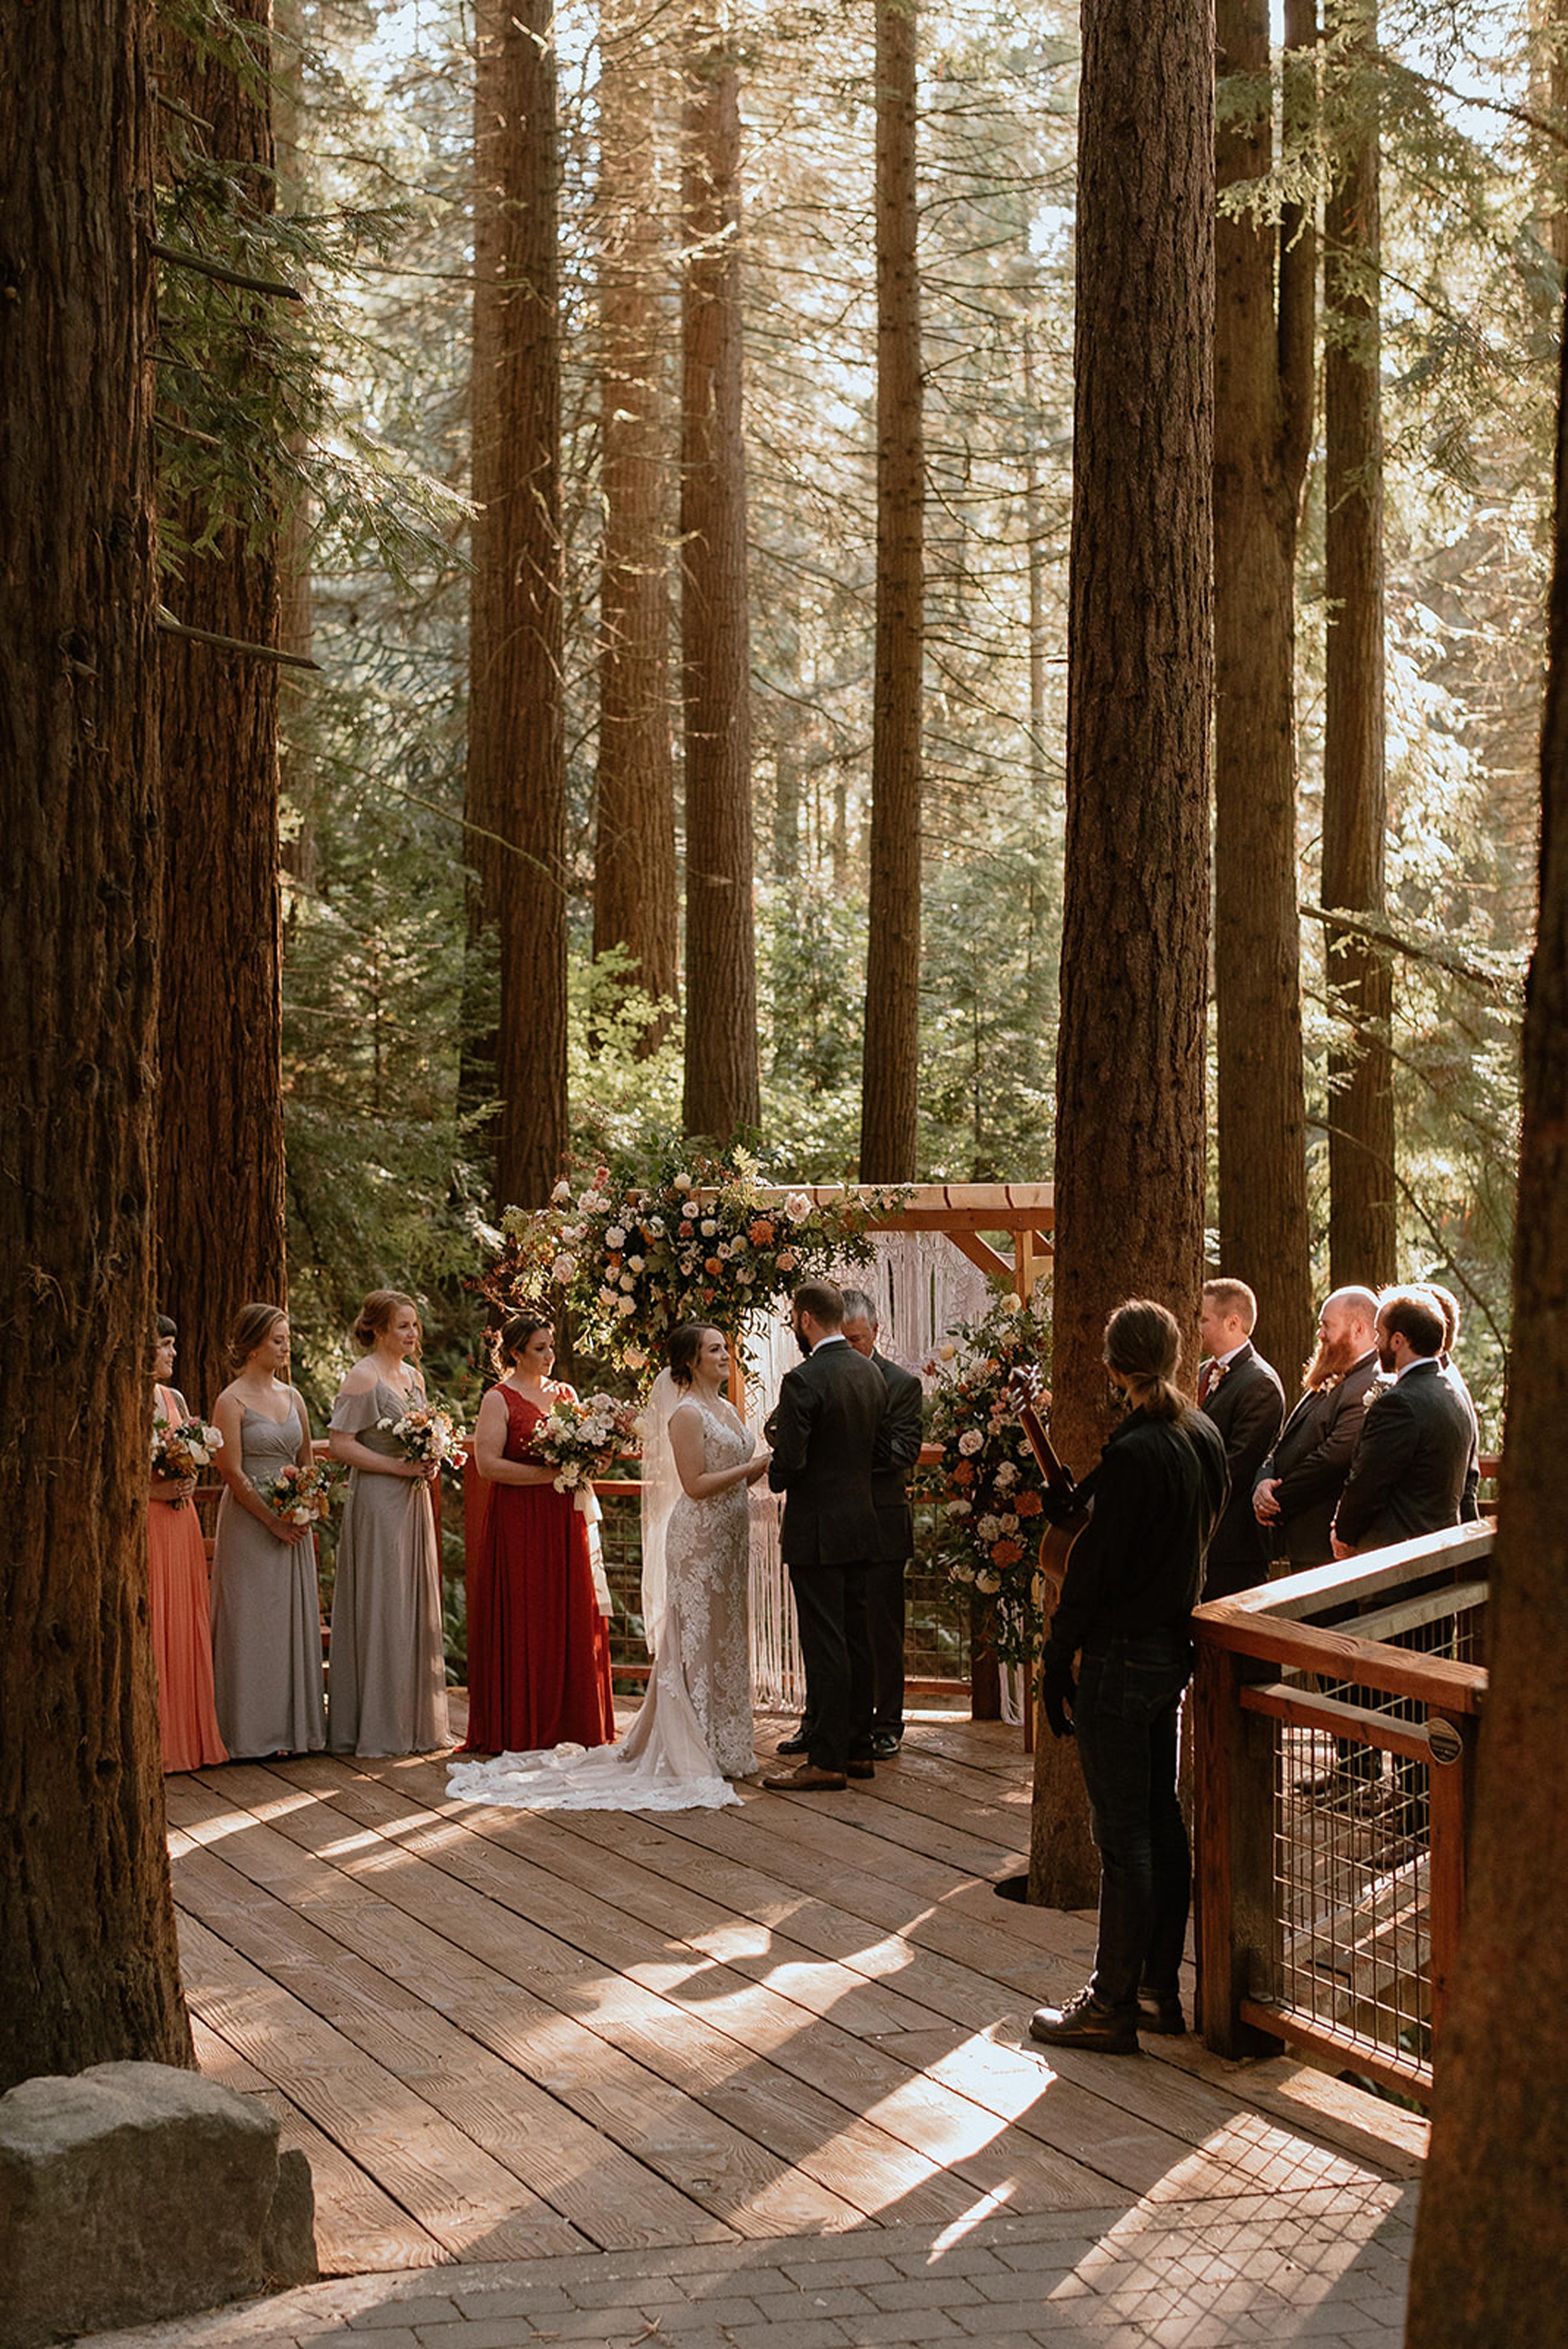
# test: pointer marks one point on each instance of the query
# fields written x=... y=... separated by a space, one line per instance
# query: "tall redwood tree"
x=889 y=1081
x=89 y=1969
x=219 y=1088
x=1135 y=913
x=516 y=797
x=722 y=1087
x=1490 y=2263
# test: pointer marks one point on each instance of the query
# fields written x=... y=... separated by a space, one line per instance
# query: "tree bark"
x=516 y=797
x=635 y=902
x=1363 y=1223
x=890 y=1078
x=221 y=1205
x=88 y=1967
x=722 y=1089
x=1262 y=418
x=1490 y=2263
x=1134 y=971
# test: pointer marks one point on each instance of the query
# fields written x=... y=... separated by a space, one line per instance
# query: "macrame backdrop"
x=923 y=1288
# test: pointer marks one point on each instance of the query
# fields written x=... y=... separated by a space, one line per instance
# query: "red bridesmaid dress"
x=539 y=1653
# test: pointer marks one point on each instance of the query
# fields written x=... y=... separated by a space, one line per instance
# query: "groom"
x=824 y=1432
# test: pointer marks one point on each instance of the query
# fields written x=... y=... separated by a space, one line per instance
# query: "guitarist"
x=1132 y=1579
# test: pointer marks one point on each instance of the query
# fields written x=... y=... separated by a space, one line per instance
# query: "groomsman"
x=1449 y=1307
x=898 y=1449
x=1299 y=1483
x=1242 y=1395
x=1407 y=1476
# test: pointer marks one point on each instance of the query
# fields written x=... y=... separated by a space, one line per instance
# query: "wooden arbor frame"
x=965 y=1211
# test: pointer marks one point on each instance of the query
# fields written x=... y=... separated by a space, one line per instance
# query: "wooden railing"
x=1335 y=1715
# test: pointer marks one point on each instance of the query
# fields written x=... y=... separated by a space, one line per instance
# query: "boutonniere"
x=1329 y=1381
x=1381 y=1385
x=1219 y=1373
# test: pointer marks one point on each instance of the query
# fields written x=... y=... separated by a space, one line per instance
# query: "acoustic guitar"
x=1025 y=1393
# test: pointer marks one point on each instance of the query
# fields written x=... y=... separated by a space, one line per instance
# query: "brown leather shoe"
x=861 y=1769
x=808 y=1781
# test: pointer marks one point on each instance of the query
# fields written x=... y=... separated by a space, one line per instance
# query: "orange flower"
x=963 y=1472
x=713 y=1266
x=1006 y=1553
x=1028 y=1505
x=761 y=1233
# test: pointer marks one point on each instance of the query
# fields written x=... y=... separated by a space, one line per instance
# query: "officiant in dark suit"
x=1242 y=1395
x=823 y=1431
x=1299 y=1484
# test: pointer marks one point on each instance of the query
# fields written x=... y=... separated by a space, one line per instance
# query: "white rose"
x=745 y=1276
x=683 y=1182
x=615 y=1236
x=708 y=1228
x=636 y=1360
x=562 y=1193
x=971 y=1441
x=946 y=1352
x=963 y=1571
x=1009 y=1522
x=564 y=1268
x=628 y=1281
x=624 y=1305
x=959 y=1508
x=989 y=1528
x=797 y=1206
x=987 y=1581
x=607 y=1297
x=1012 y=1302
x=636 y=1262
x=1006 y=1473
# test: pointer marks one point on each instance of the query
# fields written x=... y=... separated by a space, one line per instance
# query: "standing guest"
x=266 y=1606
x=1242 y=1394
x=1407 y=1475
x=177 y=1593
x=898 y=1449
x=387 y=1687
x=1449 y=1307
x=1300 y=1483
x=539 y=1658
x=824 y=1431
x=1132 y=1583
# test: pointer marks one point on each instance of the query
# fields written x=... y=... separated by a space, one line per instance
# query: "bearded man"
x=1299 y=1484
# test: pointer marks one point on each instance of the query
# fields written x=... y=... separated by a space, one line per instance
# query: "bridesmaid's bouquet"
x=302 y=1496
x=424 y=1433
x=581 y=1439
x=181 y=1447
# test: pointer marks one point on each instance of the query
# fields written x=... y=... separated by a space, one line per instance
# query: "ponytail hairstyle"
x=1143 y=1344
x=377 y=1313
x=253 y=1325
x=507 y=1343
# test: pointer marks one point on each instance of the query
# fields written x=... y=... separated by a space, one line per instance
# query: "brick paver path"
x=1321 y=2265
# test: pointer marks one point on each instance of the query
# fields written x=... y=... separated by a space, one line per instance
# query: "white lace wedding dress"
x=693 y=1731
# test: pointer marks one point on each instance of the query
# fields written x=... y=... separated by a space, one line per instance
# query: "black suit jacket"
x=823 y=1430
x=1470 y=1500
x=897 y=1450
x=1312 y=1457
x=1407 y=1476
x=1247 y=1406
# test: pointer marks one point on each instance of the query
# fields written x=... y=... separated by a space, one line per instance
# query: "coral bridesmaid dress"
x=182 y=1630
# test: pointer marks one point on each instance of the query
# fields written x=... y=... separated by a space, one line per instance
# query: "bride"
x=693 y=1731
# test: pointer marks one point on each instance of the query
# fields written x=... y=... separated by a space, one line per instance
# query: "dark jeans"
x=884 y=1591
x=836 y=1650
x=1126 y=1717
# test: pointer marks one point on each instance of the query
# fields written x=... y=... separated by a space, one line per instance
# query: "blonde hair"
x=1233 y=1297
x=252 y=1327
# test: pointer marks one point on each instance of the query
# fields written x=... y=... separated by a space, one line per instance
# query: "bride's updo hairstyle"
x=1143 y=1342
x=253 y=1325
x=685 y=1347
x=379 y=1313
x=507 y=1343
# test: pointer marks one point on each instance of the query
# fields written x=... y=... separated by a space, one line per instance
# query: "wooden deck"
x=503 y=2036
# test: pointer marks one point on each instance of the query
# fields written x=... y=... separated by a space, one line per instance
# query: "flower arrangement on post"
x=990 y=1514
x=635 y=1252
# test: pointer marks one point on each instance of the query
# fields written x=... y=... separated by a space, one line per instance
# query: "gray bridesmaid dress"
x=388 y=1678
x=266 y=1614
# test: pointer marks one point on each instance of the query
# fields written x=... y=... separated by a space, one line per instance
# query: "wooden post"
x=1238 y=1932
x=1451 y=1797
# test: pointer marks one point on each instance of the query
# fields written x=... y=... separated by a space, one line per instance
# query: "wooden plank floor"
x=506 y=2036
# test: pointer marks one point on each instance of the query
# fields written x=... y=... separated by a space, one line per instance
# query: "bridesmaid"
x=539 y=1658
x=266 y=1608
x=177 y=1593
x=387 y=1685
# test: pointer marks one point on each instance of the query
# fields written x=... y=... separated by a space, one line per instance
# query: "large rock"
x=135 y=2192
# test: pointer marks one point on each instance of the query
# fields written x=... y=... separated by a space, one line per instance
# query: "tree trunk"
x=88 y=1967
x=890 y=1078
x=722 y=1089
x=1362 y=1223
x=1129 y=1063
x=1263 y=417
x=634 y=861
x=219 y=1088
x=516 y=801
x=1489 y=2263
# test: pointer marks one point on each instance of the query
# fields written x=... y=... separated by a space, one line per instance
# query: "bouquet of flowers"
x=182 y=1448
x=581 y=1439
x=302 y=1496
x=990 y=1514
x=424 y=1433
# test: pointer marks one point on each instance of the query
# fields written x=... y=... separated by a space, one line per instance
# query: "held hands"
x=757 y=1467
x=1057 y=1687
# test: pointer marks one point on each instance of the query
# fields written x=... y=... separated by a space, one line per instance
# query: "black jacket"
x=1312 y=1457
x=1407 y=1476
x=1246 y=1403
x=823 y=1430
x=897 y=1450
x=1138 y=1566
x=1470 y=1500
